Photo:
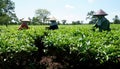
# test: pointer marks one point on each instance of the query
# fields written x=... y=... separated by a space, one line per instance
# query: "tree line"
x=8 y=16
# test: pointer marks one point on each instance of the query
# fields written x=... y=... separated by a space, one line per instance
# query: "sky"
x=70 y=10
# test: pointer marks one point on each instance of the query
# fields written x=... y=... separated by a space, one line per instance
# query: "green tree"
x=7 y=11
x=42 y=14
x=35 y=20
x=91 y=17
x=77 y=22
x=64 y=21
x=116 y=20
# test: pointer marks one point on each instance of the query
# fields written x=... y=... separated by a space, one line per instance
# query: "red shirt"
x=24 y=26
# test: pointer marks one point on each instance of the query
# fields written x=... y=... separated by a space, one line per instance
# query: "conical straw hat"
x=100 y=12
x=25 y=19
x=52 y=18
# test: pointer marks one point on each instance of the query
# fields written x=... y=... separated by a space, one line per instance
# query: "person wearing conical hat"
x=102 y=23
x=24 y=24
x=53 y=24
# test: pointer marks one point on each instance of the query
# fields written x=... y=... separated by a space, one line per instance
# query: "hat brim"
x=25 y=21
x=100 y=14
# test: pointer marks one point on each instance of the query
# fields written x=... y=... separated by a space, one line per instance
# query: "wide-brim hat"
x=52 y=19
x=100 y=13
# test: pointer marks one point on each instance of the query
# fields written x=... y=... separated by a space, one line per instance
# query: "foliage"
x=7 y=12
x=35 y=20
x=42 y=15
x=77 y=43
x=91 y=17
x=90 y=45
x=64 y=21
x=77 y=22
x=116 y=20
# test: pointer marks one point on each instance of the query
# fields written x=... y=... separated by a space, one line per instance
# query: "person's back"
x=24 y=24
x=105 y=25
x=53 y=25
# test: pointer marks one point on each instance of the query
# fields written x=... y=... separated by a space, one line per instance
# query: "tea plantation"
x=69 y=47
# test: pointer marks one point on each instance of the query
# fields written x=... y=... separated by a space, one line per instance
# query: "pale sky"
x=71 y=10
